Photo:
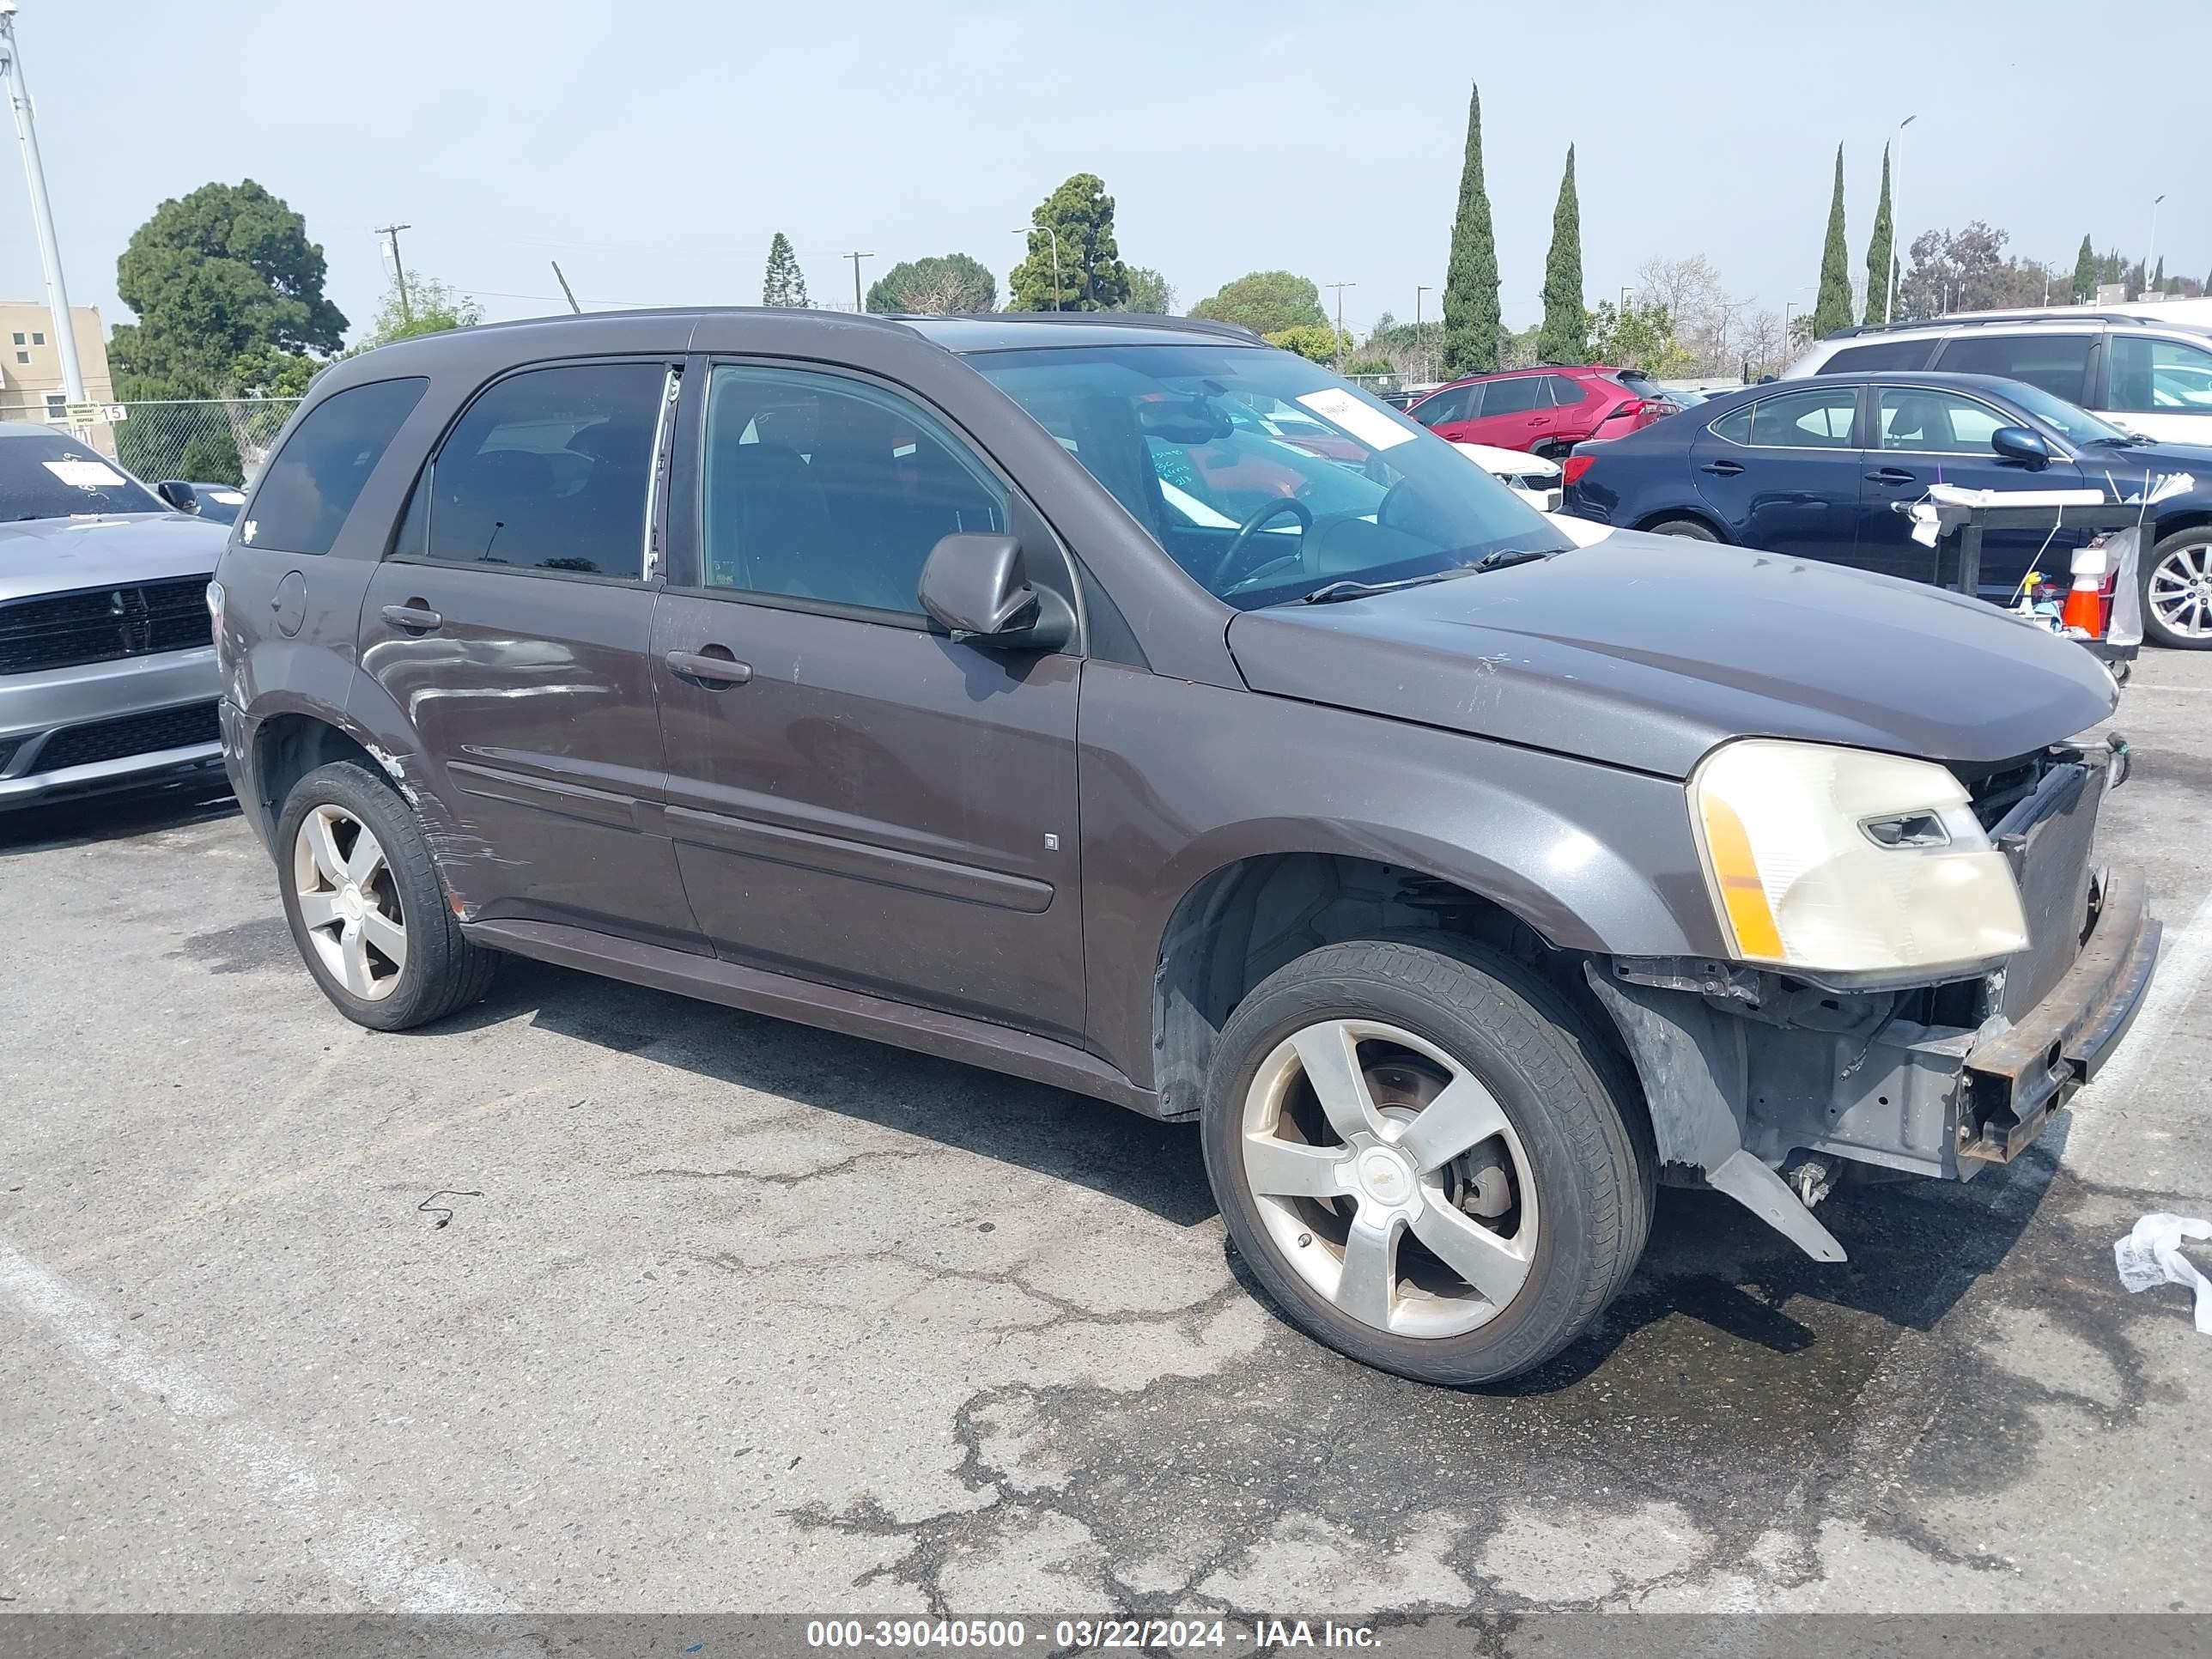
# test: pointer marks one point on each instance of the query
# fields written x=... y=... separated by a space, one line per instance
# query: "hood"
x=1645 y=651
x=55 y=555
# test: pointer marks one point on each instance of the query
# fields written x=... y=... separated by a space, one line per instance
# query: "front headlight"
x=1844 y=862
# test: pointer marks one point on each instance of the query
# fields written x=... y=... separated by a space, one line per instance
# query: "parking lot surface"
x=594 y=1298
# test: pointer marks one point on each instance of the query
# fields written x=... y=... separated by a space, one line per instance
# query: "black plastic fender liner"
x=1691 y=1059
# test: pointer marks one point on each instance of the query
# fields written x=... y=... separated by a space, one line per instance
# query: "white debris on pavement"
x=2151 y=1255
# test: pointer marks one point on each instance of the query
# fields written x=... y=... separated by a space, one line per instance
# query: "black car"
x=1822 y=469
x=218 y=503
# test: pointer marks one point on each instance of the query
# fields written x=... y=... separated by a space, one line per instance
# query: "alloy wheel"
x=349 y=902
x=2181 y=590
x=1388 y=1177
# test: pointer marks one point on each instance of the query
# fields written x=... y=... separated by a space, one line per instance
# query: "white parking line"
x=381 y=1556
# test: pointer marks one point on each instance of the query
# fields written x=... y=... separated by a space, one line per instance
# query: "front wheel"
x=1421 y=1159
x=2177 y=590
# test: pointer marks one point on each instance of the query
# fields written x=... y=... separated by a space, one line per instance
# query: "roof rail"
x=1984 y=318
x=1089 y=318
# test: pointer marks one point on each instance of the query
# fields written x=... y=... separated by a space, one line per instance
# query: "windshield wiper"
x=1353 y=589
x=2120 y=440
x=1506 y=557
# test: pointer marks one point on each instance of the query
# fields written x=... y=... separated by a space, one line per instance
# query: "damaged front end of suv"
x=1926 y=962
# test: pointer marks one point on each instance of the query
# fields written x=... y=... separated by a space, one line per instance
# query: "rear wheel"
x=1421 y=1159
x=365 y=904
x=1690 y=529
x=2177 y=590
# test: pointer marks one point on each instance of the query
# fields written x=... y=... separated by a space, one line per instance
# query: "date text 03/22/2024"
x=1088 y=1635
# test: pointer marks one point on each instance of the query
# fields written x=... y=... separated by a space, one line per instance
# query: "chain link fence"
x=207 y=440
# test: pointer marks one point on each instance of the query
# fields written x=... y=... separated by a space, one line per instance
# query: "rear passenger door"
x=1510 y=409
x=856 y=798
x=509 y=626
x=1782 y=473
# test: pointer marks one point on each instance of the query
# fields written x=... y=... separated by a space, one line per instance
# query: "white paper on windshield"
x=1363 y=421
x=84 y=474
x=228 y=497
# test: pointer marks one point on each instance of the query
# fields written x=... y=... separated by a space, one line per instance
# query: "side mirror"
x=2017 y=443
x=177 y=494
x=976 y=588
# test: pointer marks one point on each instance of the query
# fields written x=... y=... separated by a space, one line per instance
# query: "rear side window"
x=1797 y=420
x=311 y=485
x=1881 y=355
x=2059 y=363
x=549 y=470
x=1515 y=396
x=1565 y=393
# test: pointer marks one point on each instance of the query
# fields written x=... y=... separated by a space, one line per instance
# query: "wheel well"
x=2166 y=528
x=1695 y=517
x=289 y=747
x=1247 y=919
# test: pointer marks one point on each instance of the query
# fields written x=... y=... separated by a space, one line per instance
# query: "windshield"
x=2063 y=418
x=48 y=475
x=1263 y=475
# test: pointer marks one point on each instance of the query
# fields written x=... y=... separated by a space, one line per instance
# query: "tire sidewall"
x=1551 y=1305
x=348 y=786
x=2154 y=630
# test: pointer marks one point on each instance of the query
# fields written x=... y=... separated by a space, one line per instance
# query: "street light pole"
x=1896 y=196
x=1420 y=341
x=1340 y=287
x=1032 y=230
x=2154 y=201
x=42 y=212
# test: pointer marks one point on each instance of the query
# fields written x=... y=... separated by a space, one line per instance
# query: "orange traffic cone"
x=2084 y=609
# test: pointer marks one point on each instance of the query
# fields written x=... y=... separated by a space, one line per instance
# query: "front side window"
x=550 y=469
x=2058 y=364
x=1819 y=419
x=50 y=475
x=2161 y=377
x=1453 y=404
x=1914 y=418
x=825 y=489
x=1261 y=517
x=311 y=485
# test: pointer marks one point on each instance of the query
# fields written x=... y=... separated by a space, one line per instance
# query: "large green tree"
x=1832 y=308
x=785 y=284
x=1267 y=302
x=1565 y=335
x=2085 y=274
x=1881 y=252
x=1149 y=293
x=1091 y=277
x=1472 y=318
x=226 y=288
x=942 y=285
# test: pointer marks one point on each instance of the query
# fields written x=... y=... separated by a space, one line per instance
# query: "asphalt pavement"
x=594 y=1298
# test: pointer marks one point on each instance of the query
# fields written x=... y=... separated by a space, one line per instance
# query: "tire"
x=1550 y=1207
x=1689 y=529
x=2178 y=570
x=376 y=933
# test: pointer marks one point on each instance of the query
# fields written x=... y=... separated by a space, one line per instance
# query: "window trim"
x=2059 y=450
x=1850 y=447
x=424 y=477
x=690 y=545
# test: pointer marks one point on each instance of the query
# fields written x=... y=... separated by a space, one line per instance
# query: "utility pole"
x=856 y=259
x=42 y=212
x=1419 y=339
x=1340 y=287
x=2152 y=255
x=391 y=233
x=1896 y=197
x=567 y=293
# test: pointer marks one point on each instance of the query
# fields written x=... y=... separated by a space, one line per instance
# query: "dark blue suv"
x=1821 y=468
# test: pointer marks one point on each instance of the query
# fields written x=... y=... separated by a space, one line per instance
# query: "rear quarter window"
x=309 y=489
x=1881 y=355
x=2059 y=363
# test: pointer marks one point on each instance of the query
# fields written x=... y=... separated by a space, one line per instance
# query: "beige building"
x=31 y=366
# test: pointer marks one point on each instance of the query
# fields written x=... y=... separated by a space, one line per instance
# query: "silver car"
x=107 y=675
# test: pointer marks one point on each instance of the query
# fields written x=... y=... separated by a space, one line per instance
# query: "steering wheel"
x=1245 y=532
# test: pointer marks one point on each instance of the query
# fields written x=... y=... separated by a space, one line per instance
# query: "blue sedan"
x=1821 y=469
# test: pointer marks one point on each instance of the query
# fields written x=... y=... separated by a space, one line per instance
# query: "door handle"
x=723 y=670
x=1892 y=474
x=415 y=615
x=1721 y=469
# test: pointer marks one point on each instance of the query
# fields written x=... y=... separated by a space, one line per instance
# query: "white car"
x=2144 y=374
x=1529 y=476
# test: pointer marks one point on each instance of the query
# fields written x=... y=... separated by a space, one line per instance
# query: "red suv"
x=1546 y=410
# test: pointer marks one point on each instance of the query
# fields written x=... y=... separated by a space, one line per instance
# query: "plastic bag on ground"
x=2151 y=1255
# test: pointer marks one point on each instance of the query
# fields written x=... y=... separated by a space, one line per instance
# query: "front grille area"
x=133 y=734
x=101 y=624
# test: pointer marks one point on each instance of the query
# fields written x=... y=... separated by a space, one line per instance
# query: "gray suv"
x=1000 y=687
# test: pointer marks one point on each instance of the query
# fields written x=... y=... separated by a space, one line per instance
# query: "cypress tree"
x=2085 y=274
x=1880 y=252
x=1471 y=314
x=1565 y=335
x=1831 y=309
x=2158 y=278
x=785 y=284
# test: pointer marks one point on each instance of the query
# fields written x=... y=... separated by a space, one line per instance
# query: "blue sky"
x=653 y=148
